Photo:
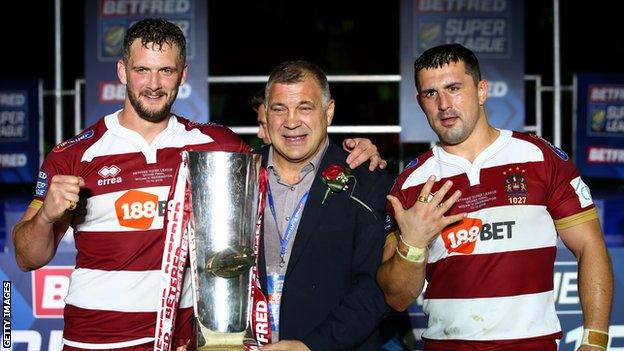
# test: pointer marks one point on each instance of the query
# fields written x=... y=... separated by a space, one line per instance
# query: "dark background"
x=343 y=37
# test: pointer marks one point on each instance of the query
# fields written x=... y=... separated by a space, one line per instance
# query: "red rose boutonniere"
x=336 y=178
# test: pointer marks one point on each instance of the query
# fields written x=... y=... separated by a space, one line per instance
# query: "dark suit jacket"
x=330 y=299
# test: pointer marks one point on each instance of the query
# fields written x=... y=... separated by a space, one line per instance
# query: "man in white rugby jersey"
x=487 y=249
x=111 y=184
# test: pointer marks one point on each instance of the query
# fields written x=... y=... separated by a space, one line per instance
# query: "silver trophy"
x=224 y=189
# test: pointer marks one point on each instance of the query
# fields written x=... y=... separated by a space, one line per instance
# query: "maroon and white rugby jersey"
x=113 y=293
x=490 y=276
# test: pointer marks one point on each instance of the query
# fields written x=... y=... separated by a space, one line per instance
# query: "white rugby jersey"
x=490 y=276
x=119 y=234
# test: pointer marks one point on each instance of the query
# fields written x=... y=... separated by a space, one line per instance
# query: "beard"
x=151 y=116
x=454 y=136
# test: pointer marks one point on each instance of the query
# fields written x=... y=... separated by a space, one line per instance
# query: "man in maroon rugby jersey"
x=487 y=249
x=111 y=184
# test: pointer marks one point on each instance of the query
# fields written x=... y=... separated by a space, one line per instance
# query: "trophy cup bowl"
x=224 y=196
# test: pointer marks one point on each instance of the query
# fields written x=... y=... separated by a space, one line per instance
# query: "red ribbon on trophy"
x=260 y=317
x=180 y=242
x=174 y=258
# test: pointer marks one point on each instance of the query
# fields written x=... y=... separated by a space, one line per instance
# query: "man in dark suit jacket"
x=321 y=248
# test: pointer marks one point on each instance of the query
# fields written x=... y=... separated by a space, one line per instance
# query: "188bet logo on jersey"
x=137 y=209
x=463 y=236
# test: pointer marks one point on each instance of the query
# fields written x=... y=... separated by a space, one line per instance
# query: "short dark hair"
x=291 y=72
x=257 y=99
x=156 y=31
x=443 y=55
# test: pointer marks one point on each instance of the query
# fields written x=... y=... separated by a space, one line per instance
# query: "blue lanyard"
x=292 y=223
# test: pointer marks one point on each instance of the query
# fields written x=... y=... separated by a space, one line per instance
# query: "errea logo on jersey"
x=462 y=237
x=107 y=171
x=109 y=175
x=137 y=209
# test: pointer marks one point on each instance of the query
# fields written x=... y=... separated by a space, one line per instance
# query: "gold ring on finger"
x=422 y=199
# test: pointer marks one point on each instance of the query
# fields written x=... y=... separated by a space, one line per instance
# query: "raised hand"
x=421 y=223
x=62 y=196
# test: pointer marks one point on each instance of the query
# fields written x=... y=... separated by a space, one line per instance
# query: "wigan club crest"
x=515 y=185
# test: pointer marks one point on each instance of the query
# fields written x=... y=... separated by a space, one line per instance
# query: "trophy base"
x=222 y=348
x=209 y=340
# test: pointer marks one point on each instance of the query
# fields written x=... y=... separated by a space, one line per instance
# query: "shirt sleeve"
x=54 y=163
x=230 y=141
x=390 y=224
x=569 y=200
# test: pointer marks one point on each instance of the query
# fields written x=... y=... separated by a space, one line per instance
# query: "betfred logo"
x=606 y=93
x=112 y=92
x=137 y=209
x=462 y=237
x=50 y=285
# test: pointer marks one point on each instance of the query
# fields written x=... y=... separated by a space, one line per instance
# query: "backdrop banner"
x=106 y=22
x=599 y=135
x=494 y=30
x=19 y=131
